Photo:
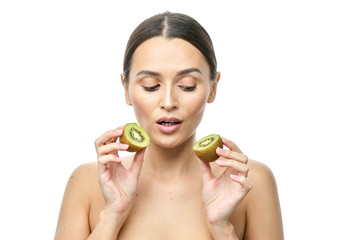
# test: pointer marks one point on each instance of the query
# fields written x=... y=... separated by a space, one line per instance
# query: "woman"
x=164 y=191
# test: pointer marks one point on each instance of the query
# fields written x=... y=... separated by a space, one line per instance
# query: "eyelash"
x=156 y=87
x=152 y=89
x=188 y=89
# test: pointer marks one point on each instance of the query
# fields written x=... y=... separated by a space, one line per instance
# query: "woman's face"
x=169 y=86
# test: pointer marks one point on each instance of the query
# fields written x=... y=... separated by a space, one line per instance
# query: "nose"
x=169 y=100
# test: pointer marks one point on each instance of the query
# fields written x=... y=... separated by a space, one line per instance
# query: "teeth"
x=170 y=123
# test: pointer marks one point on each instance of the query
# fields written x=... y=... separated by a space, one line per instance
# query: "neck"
x=165 y=163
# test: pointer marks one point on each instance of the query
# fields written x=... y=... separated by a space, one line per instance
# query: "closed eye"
x=188 y=88
x=152 y=88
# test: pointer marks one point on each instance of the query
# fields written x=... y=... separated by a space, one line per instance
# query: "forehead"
x=164 y=55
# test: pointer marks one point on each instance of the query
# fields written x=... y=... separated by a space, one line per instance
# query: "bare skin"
x=170 y=210
x=165 y=192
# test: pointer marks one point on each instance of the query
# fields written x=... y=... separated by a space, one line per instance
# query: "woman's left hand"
x=223 y=194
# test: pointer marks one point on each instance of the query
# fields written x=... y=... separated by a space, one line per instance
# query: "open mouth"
x=168 y=123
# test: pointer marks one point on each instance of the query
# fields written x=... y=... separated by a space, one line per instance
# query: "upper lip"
x=168 y=119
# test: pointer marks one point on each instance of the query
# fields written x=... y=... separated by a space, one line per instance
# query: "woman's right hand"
x=118 y=184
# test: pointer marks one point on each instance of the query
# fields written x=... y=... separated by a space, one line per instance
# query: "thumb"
x=207 y=174
x=137 y=163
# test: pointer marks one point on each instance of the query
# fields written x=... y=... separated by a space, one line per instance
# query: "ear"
x=213 y=88
x=126 y=89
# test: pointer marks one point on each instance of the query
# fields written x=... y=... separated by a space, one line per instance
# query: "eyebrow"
x=156 y=74
x=147 y=72
x=189 y=70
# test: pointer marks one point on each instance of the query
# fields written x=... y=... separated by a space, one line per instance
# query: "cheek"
x=196 y=105
x=142 y=108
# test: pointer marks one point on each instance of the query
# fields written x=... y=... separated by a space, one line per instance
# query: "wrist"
x=223 y=231
x=107 y=227
x=111 y=219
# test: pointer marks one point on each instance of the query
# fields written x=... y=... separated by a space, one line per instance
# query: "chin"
x=167 y=143
x=170 y=142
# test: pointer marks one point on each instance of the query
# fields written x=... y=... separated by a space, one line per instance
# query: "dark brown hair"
x=171 y=25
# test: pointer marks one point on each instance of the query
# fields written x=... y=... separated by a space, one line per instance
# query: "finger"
x=111 y=147
x=231 y=145
x=136 y=165
x=207 y=174
x=232 y=155
x=244 y=182
x=106 y=159
x=109 y=136
x=238 y=167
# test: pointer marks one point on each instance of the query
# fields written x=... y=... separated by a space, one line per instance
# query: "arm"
x=73 y=218
x=118 y=186
x=263 y=219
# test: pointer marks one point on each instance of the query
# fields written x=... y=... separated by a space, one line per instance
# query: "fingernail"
x=220 y=150
x=235 y=177
x=220 y=162
x=118 y=131
x=123 y=146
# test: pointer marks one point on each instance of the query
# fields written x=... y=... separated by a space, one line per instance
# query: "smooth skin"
x=164 y=191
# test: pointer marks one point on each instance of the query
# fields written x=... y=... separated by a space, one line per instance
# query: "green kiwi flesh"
x=134 y=136
x=205 y=148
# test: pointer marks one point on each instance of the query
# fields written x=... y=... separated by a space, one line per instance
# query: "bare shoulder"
x=76 y=202
x=83 y=175
x=263 y=183
x=260 y=173
x=86 y=168
x=81 y=184
x=263 y=214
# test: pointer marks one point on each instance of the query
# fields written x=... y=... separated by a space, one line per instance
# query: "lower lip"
x=169 y=129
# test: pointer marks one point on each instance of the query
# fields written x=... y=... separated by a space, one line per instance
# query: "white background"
x=288 y=96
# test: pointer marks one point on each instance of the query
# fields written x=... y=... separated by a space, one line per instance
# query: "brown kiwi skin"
x=209 y=154
x=132 y=147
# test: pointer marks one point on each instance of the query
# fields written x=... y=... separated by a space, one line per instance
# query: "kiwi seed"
x=205 y=148
x=134 y=136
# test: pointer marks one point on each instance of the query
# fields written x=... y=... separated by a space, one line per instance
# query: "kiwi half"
x=205 y=148
x=134 y=136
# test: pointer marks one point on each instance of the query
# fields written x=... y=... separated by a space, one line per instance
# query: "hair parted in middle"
x=171 y=25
